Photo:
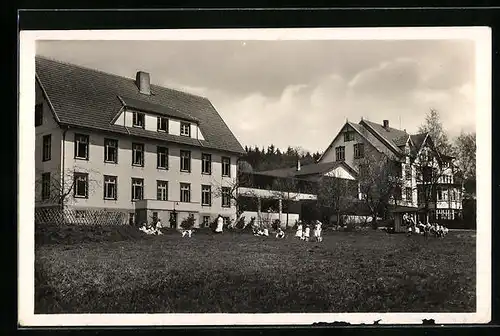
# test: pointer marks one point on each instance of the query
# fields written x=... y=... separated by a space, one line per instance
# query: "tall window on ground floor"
x=137 y=189
x=206 y=221
x=226 y=197
x=185 y=192
x=162 y=190
x=45 y=186
x=206 y=195
x=110 y=187
x=81 y=185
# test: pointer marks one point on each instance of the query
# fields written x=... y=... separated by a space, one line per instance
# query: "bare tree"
x=286 y=189
x=335 y=195
x=379 y=182
x=58 y=188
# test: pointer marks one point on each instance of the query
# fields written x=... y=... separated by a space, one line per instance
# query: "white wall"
x=49 y=126
x=96 y=167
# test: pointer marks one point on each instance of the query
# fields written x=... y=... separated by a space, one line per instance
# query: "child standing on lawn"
x=307 y=231
x=220 y=224
x=299 y=230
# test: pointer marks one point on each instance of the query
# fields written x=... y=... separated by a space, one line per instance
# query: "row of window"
x=359 y=151
x=111 y=155
x=139 y=120
x=81 y=189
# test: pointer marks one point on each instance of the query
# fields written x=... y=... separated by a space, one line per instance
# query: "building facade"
x=428 y=177
x=110 y=142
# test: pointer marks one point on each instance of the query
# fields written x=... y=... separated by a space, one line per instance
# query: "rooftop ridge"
x=115 y=75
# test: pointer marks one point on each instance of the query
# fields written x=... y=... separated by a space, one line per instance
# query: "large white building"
x=413 y=154
x=127 y=145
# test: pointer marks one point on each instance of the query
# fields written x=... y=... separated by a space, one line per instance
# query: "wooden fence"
x=57 y=216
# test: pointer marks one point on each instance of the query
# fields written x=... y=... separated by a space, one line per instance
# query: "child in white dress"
x=299 y=230
x=317 y=231
x=307 y=232
x=280 y=234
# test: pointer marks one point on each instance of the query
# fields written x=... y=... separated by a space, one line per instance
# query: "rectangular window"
x=440 y=193
x=111 y=150
x=226 y=220
x=162 y=157
x=226 y=197
x=185 y=192
x=162 y=125
x=45 y=186
x=38 y=114
x=137 y=189
x=348 y=136
x=138 y=119
x=206 y=164
x=110 y=184
x=81 y=146
x=206 y=195
x=138 y=154
x=185 y=161
x=340 y=153
x=408 y=173
x=81 y=185
x=162 y=190
x=226 y=166
x=47 y=144
x=206 y=221
x=409 y=194
x=185 y=129
x=359 y=150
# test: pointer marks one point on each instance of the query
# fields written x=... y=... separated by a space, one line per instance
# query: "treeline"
x=260 y=159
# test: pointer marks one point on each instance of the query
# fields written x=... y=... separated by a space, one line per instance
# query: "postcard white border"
x=26 y=176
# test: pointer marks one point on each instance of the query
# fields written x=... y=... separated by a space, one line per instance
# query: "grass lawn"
x=238 y=273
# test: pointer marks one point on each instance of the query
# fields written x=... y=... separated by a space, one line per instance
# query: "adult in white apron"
x=220 y=224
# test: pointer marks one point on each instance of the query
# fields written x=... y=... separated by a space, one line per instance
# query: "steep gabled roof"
x=418 y=139
x=390 y=136
x=88 y=98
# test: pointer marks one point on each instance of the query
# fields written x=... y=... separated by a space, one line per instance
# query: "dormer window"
x=138 y=120
x=185 y=129
x=162 y=124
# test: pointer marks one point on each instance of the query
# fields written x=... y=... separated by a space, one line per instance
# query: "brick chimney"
x=298 y=165
x=386 y=124
x=143 y=82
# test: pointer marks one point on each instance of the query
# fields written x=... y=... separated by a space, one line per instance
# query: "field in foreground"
x=238 y=273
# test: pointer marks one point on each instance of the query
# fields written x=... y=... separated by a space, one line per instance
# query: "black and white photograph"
x=260 y=176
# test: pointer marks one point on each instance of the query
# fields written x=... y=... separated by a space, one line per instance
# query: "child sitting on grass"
x=280 y=234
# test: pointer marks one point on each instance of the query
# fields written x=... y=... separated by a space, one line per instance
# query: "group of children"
x=152 y=229
x=427 y=229
x=304 y=233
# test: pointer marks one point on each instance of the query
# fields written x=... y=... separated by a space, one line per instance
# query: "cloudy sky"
x=300 y=93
